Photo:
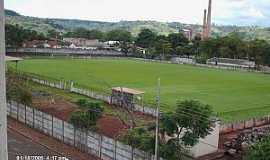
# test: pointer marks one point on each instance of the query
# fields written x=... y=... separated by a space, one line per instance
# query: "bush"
x=140 y=138
x=202 y=59
x=17 y=90
x=259 y=151
x=89 y=105
x=87 y=119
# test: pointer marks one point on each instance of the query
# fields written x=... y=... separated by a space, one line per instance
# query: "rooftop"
x=128 y=90
x=8 y=58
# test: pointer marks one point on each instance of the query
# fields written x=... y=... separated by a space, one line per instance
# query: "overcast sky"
x=239 y=12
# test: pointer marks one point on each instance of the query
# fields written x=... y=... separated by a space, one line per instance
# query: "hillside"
x=64 y=25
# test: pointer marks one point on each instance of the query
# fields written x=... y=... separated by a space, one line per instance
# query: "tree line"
x=114 y=35
x=231 y=46
x=154 y=45
x=16 y=35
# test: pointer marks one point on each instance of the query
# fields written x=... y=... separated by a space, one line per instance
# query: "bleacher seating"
x=227 y=62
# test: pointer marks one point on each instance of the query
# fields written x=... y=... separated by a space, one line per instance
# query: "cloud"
x=244 y=12
x=236 y=12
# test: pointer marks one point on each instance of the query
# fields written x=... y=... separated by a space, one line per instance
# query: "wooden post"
x=3 y=106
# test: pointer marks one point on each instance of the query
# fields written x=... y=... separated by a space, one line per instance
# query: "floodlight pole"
x=157 y=122
x=3 y=111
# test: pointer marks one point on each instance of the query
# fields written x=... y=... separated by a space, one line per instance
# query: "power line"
x=157 y=122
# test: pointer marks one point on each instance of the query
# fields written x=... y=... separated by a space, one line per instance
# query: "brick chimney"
x=209 y=19
x=204 y=25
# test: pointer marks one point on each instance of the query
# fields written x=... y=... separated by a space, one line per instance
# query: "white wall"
x=207 y=145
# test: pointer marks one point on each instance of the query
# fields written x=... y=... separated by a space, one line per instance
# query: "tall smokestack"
x=209 y=19
x=204 y=25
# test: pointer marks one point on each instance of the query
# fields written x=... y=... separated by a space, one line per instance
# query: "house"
x=42 y=44
x=85 y=43
x=32 y=44
x=72 y=45
x=183 y=60
x=54 y=44
x=112 y=43
x=188 y=33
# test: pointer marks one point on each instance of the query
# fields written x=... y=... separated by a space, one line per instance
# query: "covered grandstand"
x=232 y=63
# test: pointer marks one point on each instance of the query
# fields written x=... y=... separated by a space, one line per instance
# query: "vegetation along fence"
x=85 y=140
x=247 y=124
x=64 y=85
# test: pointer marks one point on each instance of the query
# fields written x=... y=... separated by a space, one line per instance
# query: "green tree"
x=17 y=90
x=119 y=35
x=85 y=33
x=53 y=34
x=17 y=35
x=258 y=50
x=140 y=138
x=190 y=121
x=177 y=39
x=163 y=47
x=88 y=117
x=259 y=151
x=146 y=39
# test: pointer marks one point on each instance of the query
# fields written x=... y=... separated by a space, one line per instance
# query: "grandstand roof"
x=8 y=58
x=128 y=90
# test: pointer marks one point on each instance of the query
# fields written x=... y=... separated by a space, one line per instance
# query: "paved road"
x=36 y=138
x=19 y=145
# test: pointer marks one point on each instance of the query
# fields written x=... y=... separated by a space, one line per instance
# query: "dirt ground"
x=109 y=125
x=58 y=108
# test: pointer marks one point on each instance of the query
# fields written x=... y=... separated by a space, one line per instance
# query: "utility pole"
x=157 y=122
x=3 y=110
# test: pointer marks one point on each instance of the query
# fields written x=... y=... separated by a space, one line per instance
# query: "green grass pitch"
x=233 y=95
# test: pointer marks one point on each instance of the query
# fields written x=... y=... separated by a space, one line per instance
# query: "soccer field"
x=234 y=95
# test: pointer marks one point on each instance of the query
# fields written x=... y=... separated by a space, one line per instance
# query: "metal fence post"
x=33 y=117
x=100 y=146
x=17 y=110
x=115 y=149
x=74 y=136
x=63 y=130
x=86 y=146
x=42 y=122
x=25 y=114
x=132 y=153
x=52 y=125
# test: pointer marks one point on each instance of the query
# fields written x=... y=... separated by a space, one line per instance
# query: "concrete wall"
x=207 y=145
x=86 y=141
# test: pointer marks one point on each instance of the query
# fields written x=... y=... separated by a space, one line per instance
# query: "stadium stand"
x=233 y=63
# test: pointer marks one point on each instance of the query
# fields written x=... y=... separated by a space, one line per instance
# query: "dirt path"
x=48 y=142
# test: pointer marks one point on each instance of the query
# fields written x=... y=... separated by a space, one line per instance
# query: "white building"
x=179 y=60
x=85 y=43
